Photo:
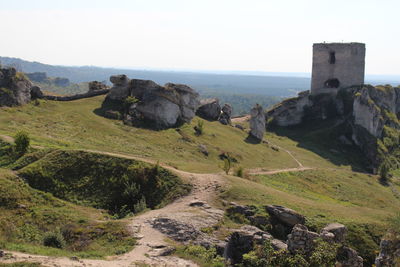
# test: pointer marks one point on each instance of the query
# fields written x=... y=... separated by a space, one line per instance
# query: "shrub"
x=227 y=165
x=266 y=256
x=199 y=128
x=54 y=239
x=130 y=100
x=239 y=172
x=324 y=254
x=140 y=205
x=22 y=142
x=208 y=257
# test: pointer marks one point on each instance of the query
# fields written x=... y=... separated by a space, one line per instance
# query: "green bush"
x=54 y=239
x=22 y=142
x=227 y=165
x=117 y=184
x=239 y=172
x=201 y=255
x=324 y=255
x=199 y=128
x=140 y=205
x=129 y=101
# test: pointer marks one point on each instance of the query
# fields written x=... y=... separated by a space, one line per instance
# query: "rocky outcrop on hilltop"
x=15 y=88
x=368 y=118
x=290 y=111
x=143 y=102
x=209 y=109
x=226 y=115
x=257 y=122
x=96 y=86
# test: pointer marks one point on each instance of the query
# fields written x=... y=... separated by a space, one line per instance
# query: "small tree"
x=199 y=128
x=22 y=142
x=227 y=164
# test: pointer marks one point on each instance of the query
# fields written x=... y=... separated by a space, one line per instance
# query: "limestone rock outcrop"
x=365 y=115
x=226 y=114
x=209 y=109
x=36 y=93
x=389 y=254
x=301 y=239
x=257 y=122
x=145 y=102
x=338 y=230
x=348 y=257
x=243 y=240
x=285 y=215
x=290 y=111
x=15 y=88
x=96 y=85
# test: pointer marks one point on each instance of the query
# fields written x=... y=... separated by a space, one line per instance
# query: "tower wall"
x=336 y=66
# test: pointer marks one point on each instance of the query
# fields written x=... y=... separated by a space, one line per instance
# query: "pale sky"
x=251 y=35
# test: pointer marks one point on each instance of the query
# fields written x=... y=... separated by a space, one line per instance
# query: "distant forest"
x=241 y=91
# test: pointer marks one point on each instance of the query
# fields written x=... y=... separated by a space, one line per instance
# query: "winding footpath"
x=152 y=245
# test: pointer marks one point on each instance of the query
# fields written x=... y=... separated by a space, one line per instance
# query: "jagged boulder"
x=96 y=85
x=159 y=106
x=301 y=240
x=285 y=215
x=226 y=114
x=367 y=114
x=209 y=109
x=290 y=111
x=243 y=240
x=338 y=230
x=257 y=122
x=36 y=93
x=348 y=257
x=389 y=254
x=283 y=219
x=15 y=88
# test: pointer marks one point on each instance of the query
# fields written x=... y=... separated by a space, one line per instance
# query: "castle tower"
x=337 y=65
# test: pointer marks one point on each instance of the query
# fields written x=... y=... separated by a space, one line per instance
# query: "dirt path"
x=152 y=244
x=241 y=119
x=261 y=171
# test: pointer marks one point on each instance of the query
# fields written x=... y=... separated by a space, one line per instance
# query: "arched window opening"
x=332 y=83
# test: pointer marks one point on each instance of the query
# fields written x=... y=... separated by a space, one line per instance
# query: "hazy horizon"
x=247 y=36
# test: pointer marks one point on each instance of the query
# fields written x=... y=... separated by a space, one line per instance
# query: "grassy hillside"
x=50 y=194
x=335 y=189
x=75 y=125
x=101 y=181
x=27 y=215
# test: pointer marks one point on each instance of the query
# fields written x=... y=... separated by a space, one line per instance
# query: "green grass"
x=103 y=181
x=332 y=192
x=74 y=125
x=357 y=200
x=27 y=214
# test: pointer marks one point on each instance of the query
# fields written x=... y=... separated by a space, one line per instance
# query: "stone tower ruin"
x=336 y=66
